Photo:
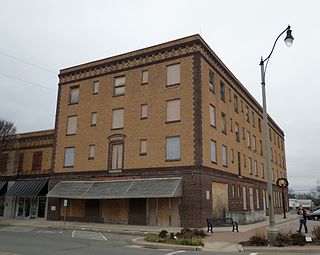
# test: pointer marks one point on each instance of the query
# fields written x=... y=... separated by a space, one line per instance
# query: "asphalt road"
x=32 y=240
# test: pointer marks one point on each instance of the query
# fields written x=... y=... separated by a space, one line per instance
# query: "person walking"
x=302 y=219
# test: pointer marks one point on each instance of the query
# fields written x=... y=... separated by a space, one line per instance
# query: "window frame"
x=115 y=86
x=72 y=88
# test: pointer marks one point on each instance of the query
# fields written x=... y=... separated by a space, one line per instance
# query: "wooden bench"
x=226 y=222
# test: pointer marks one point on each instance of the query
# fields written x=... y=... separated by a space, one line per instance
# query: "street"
x=31 y=240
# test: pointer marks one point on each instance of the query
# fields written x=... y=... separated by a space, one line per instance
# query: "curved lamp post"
x=272 y=230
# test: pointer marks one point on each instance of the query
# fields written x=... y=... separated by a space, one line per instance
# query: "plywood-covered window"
x=255 y=168
x=74 y=95
x=143 y=147
x=117 y=118
x=173 y=148
x=211 y=81
x=117 y=154
x=71 y=125
x=94 y=118
x=224 y=155
x=144 y=77
x=95 y=87
x=212 y=116
x=213 y=151
x=92 y=149
x=173 y=74
x=69 y=156
x=144 y=111
x=173 y=110
x=250 y=166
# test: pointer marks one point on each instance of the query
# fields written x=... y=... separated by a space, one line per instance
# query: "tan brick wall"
x=229 y=139
x=154 y=128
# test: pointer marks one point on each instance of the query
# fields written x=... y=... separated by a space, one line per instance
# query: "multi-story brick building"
x=164 y=135
x=25 y=167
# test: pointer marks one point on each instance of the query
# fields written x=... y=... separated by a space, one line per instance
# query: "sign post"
x=65 y=204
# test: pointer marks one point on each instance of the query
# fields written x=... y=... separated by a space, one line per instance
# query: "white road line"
x=73 y=233
x=254 y=253
x=103 y=236
x=175 y=252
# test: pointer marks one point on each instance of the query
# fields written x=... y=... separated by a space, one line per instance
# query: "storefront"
x=153 y=201
x=3 y=190
x=30 y=198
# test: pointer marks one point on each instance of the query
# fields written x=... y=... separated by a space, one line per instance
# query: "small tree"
x=7 y=134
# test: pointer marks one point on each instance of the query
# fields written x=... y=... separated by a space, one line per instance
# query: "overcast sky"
x=57 y=34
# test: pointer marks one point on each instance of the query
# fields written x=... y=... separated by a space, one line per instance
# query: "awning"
x=3 y=188
x=136 y=188
x=28 y=188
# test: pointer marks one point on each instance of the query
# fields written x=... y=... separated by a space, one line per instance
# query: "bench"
x=226 y=222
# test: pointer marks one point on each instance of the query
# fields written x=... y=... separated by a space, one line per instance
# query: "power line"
x=28 y=82
x=28 y=63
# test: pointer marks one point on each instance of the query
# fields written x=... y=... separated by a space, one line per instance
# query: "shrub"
x=283 y=240
x=316 y=234
x=163 y=234
x=298 y=239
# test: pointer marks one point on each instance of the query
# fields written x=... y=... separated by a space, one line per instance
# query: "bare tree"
x=7 y=134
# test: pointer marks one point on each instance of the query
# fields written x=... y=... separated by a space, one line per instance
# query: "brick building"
x=25 y=167
x=164 y=135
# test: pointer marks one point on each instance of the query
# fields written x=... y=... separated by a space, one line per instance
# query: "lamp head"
x=289 y=38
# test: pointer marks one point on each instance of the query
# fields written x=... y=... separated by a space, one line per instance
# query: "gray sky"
x=55 y=34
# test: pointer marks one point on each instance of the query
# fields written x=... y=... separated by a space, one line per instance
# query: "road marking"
x=49 y=232
x=175 y=252
x=103 y=236
x=17 y=229
x=254 y=253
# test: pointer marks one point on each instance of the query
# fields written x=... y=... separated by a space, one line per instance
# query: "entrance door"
x=20 y=207
x=33 y=208
x=92 y=210
x=220 y=204
x=27 y=203
x=42 y=207
x=137 y=211
x=1 y=206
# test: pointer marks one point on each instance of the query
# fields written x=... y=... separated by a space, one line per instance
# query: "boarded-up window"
x=213 y=151
x=93 y=118
x=92 y=148
x=144 y=111
x=95 y=88
x=250 y=165
x=212 y=116
x=254 y=143
x=173 y=148
x=119 y=85
x=69 y=157
x=74 y=95
x=224 y=155
x=71 y=125
x=173 y=110
x=117 y=156
x=20 y=166
x=143 y=147
x=255 y=168
x=37 y=160
x=144 y=77
x=117 y=118
x=173 y=74
x=248 y=139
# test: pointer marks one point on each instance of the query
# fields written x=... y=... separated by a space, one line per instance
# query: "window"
x=232 y=155
x=173 y=148
x=74 y=95
x=229 y=95
x=95 y=87
x=143 y=147
x=270 y=136
x=247 y=114
x=282 y=145
x=241 y=104
x=244 y=161
x=259 y=124
x=69 y=157
x=254 y=143
x=117 y=156
x=243 y=134
x=261 y=149
x=273 y=175
x=93 y=119
x=258 y=200
x=3 y=162
x=224 y=155
x=274 y=139
x=278 y=142
x=119 y=86
x=244 y=196
x=117 y=118
x=256 y=168
x=271 y=152
x=173 y=110
x=235 y=103
x=92 y=149
x=236 y=129
x=213 y=151
x=211 y=81
x=212 y=116
x=248 y=139
x=71 y=125
x=239 y=163
x=231 y=125
x=144 y=77
x=262 y=170
x=173 y=74
x=253 y=119
x=20 y=166
x=223 y=123
x=250 y=165
x=144 y=111
x=222 y=91
x=37 y=160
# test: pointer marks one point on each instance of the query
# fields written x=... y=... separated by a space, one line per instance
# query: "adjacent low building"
x=165 y=135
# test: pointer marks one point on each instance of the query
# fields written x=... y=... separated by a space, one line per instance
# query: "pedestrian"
x=302 y=218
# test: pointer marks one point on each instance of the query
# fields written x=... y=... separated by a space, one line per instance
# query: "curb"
x=293 y=249
x=141 y=242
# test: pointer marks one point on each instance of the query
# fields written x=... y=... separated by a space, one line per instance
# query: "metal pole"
x=272 y=230
x=284 y=206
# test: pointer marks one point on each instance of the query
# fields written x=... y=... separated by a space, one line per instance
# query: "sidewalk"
x=223 y=239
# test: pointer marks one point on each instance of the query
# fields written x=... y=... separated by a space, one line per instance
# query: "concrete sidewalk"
x=223 y=239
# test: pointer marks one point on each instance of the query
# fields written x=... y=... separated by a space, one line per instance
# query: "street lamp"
x=283 y=183
x=272 y=230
